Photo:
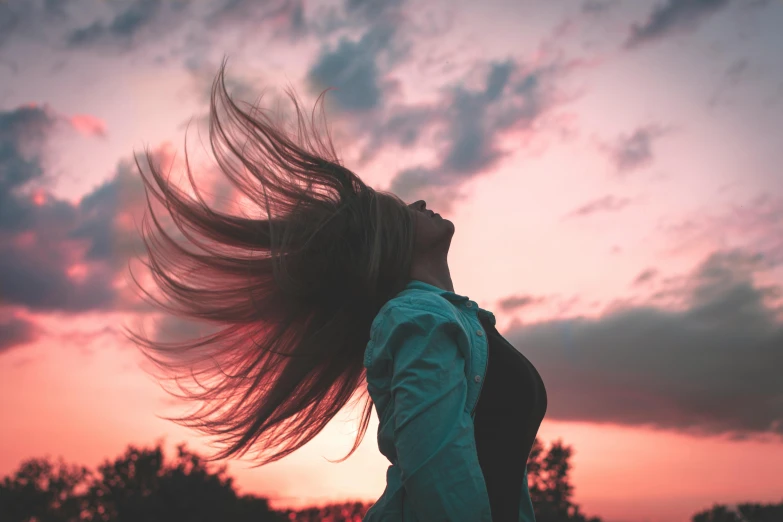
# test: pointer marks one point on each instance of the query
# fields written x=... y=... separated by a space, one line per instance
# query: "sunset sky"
x=613 y=170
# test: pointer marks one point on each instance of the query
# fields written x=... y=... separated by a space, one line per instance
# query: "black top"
x=510 y=409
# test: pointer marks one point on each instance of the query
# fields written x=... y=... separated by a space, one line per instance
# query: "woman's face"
x=433 y=233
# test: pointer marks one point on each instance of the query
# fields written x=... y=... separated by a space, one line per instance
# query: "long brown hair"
x=291 y=297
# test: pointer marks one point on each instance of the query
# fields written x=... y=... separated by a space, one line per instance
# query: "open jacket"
x=426 y=362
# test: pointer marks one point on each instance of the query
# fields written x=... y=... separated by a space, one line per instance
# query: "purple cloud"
x=285 y=17
x=469 y=124
x=708 y=365
x=57 y=255
x=607 y=203
x=634 y=151
x=14 y=332
x=645 y=277
x=670 y=17
x=520 y=301
x=130 y=23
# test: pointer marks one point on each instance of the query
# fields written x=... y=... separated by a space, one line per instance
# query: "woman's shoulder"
x=414 y=303
x=422 y=307
x=414 y=312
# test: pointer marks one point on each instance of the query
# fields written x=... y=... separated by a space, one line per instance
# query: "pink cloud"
x=88 y=125
x=39 y=198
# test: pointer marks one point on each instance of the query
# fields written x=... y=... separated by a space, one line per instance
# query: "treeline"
x=142 y=486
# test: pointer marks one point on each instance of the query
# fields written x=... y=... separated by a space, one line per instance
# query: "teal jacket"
x=426 y=361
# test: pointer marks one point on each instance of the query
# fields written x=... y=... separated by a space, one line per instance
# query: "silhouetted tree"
x=717 y=513
x=761 y=512
x=138 y=486
x=45 y=492
x=550 y=485
x=747 y=512
x=340 y=512
x=142 y=486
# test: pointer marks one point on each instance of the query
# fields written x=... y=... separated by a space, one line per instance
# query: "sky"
x=613 y=171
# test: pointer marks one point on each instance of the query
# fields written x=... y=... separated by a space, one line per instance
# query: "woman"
x=339 y=285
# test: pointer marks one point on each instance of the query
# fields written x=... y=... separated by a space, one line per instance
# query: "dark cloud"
x=357 y=69
x=672 y=16
x=57 y=255
x=15 y=331
x=39 y=277
x=30 y=18
x=645 y=277
x=403 y=126
x=708 y=363
x=86 y=35
x=353 y=69
x=520 y=301
x=499 y=75
x=607 y=203
x=120 y=26
x=121 y=195
x=737 y=69
x=57 y=7
x=732 y=76
x=353 y=15
x=132 y=19
x=371 y=10
x=598 y=6
x=289 y=20
x=22 y=133
x=286 y=18
x=470 y=122
x=633 y=151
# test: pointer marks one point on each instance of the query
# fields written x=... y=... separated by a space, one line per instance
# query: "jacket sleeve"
x=433 y=431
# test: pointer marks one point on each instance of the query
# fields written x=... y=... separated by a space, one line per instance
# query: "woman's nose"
x=419 y=205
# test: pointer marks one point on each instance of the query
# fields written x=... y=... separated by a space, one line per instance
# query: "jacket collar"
x=415 y=284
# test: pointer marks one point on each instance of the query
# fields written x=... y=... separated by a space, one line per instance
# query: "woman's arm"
x=433 y=431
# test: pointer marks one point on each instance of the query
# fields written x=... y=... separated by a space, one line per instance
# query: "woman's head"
x=291 y=295
x=431 y=247
x=433 y=233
